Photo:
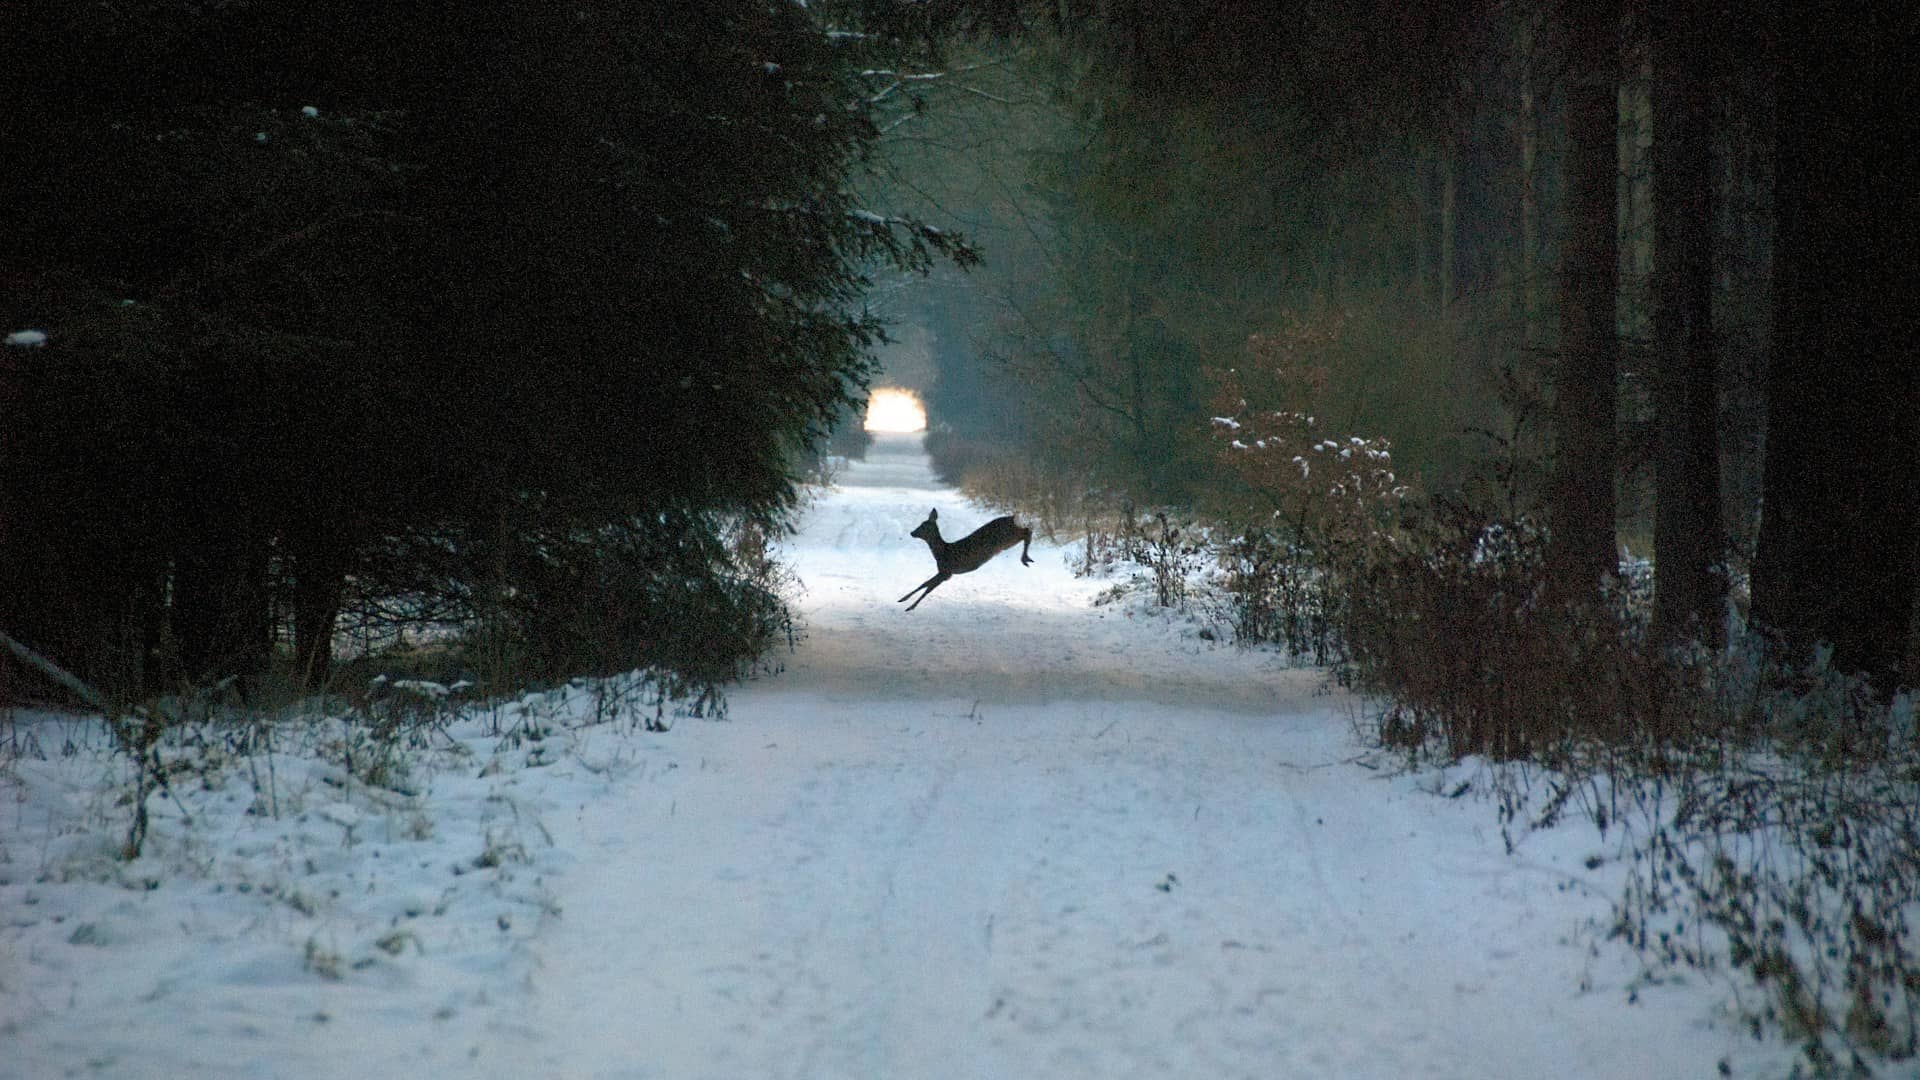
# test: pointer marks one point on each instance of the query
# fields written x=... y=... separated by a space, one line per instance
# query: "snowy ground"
x=1008 y=834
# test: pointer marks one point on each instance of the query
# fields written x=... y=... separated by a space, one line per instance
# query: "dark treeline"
x=519 y=319
x=525 y=319
x=1631 y=271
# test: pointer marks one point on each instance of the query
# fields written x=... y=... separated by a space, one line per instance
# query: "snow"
x=1009 y=834
x=422 y=687
x=27 y=339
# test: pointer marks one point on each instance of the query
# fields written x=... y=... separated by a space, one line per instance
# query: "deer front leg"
x=929 y=585
x=1026 y=541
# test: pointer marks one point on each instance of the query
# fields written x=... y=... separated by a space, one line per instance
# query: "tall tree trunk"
x=1635 y=134
x=1836 y=555
x=221 y=616
x=1581 y=546
x=1688 y=537
x=319 y=583
x=1417 y=188
x=1449 y=201
x=1529 y=193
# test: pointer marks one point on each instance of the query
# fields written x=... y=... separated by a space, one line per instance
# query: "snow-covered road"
x=1010 y=834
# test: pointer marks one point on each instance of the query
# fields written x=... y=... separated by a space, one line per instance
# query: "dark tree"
x=1836 y=556
x=352 y=303
x=1688 y=536
x=1581 y=552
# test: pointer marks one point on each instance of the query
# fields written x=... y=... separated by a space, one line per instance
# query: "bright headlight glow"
x=893 y=409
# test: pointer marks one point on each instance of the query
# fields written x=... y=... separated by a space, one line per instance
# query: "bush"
x=1806 y=878
x=693 y=597
x=1457 y=630
x=1056 y=499
x=1278 y=594
x=1771 y=816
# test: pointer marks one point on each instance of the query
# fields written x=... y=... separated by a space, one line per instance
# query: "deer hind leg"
x=1026 y=541
x=929 y=585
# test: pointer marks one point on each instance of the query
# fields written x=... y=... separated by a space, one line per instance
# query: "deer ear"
x=934 y=514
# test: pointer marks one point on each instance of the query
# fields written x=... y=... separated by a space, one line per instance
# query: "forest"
x=1628 y=281
x=1545 y=371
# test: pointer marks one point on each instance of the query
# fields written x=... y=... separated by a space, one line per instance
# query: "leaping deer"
x=968 y=553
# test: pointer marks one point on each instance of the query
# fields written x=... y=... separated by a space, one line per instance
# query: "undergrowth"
x=1772 y=815
x=377 y=731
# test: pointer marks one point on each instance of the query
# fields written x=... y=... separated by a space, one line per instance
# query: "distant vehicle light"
x=894 y=409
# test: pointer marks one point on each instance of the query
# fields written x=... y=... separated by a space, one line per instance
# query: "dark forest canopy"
x=475 y=312
x=501 y=313
x=1435 y=195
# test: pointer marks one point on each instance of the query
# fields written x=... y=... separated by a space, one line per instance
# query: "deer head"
x=928 y=530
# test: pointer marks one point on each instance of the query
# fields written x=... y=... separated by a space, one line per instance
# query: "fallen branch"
x=137 y=731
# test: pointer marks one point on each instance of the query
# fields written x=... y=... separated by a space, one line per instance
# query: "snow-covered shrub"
x=1163 y=552
x=1456 y=630
x=1169 y=553
x=1311 y=509
x=1800 y=875
x=1277 y=594
x=693 y=598
x=1056 y=501
x=386 y=725
x=1772 y=817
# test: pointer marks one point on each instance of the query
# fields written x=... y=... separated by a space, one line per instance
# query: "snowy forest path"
x=1005 y=633
x=1011 y=834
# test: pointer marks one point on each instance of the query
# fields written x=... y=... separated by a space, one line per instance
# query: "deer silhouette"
x=968 y=553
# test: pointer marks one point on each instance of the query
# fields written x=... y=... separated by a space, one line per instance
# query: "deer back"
x=972 y=551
